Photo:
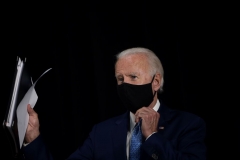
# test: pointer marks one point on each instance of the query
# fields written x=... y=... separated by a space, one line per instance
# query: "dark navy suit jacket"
x=180 y=136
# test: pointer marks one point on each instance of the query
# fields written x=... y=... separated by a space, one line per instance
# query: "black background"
x=79 y=42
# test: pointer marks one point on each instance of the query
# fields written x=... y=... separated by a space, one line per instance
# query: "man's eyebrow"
x=133 y=73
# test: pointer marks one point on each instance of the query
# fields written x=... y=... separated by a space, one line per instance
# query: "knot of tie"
x=135 y=142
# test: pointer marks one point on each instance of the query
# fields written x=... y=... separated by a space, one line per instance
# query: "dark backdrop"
x=79 y=42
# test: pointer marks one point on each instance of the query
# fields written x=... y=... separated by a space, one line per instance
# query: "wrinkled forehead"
x=136 y=63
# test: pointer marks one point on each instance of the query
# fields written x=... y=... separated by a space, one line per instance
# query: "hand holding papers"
x=22 y=114
x=22 y=94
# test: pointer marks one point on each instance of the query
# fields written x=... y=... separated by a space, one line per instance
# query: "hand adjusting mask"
x=135 y=97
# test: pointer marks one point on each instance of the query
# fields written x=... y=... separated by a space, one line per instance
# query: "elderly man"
x=148 y=130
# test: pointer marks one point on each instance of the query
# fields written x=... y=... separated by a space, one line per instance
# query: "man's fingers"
x=147 y=114
x=30 y=110
x=142 y=111
x=139 y=114
x=149 y=118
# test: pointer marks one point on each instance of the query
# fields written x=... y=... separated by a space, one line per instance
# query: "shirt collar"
x=132 y=116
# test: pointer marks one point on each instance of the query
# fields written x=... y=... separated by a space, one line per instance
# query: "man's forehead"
x=127 y=72
x=133 y=60
x=131 y=70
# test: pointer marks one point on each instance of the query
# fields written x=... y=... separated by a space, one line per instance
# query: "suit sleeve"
x=37 y=150
x=86 y=151
x=188 y=146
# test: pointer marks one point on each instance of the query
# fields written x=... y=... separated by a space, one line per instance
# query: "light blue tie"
x=135 y=143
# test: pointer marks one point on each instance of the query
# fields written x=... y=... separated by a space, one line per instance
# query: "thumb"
x=30 y=110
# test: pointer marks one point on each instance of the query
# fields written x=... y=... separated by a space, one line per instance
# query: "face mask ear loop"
x=153 y=78
x=154 y=91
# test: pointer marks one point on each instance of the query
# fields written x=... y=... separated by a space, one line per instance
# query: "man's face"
x=133 y=69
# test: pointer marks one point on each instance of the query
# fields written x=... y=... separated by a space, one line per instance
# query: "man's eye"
x=120 y=79
x=133 y=77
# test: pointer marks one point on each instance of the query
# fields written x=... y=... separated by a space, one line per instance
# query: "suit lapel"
x=120 y=137
x=166 y=114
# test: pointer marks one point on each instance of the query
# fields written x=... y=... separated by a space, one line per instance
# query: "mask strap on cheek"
x=151 y=82
x=153 y=78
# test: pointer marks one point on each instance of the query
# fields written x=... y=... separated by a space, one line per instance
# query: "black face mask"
x=135 y=97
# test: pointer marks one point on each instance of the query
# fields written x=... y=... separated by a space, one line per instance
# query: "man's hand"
x=149 y=118
x=33 y=125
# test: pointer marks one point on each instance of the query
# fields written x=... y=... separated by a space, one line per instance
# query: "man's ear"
x=157 y=82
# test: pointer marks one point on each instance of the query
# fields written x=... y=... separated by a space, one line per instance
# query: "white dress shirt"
x=132 y=124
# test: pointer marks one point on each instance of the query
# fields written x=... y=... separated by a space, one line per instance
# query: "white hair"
x=154 y=62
